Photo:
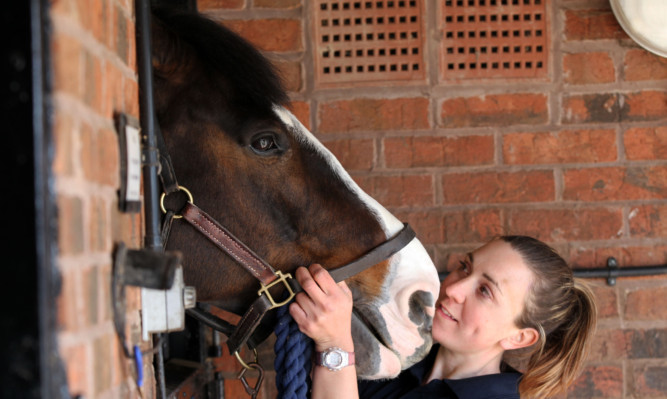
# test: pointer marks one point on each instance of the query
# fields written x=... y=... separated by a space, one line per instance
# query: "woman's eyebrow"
x=486 y=276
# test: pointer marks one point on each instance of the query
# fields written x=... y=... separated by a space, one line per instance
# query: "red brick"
x=473 y=226
x=92 y=95
x=131 y=45
x=562 y=225
x=648 y=143
x=291 y=73
x=100 y=156
x=95 y=16
x=102 y=362
x=648 y=221
x=644 y=106
x=126 y=227
x=495 y=110
x=67 y=64
x=105 y=297
x=604 y=107
x=569 y=146
x=204 y=5
x=406 y=190
x=99 y=239
x=64 y=134
x=276 y=3
x=498 y=187
x=373 y=114
x=641 y=305
x=649 y=381
x=122 y=34
x=605 y=184
x=606 y=300
x=76 y=361
x=90 y=286
x=625 y=255
x=647 y=344
x=608 y=345
x=70 y=234
x=66 y=8
x=408 y=152
x=280 y=35
x=69 y=314
x=429 y=225
x=598 y=382
x=353 y=154
x=113 y=87
x=131 y=100
x=588 y=68
x=301 y=109
x=643 y=65
x=592 y=24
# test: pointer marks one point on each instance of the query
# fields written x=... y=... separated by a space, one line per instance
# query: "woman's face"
x=480 y=300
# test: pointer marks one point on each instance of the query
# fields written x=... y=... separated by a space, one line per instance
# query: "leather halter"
x=267 y=275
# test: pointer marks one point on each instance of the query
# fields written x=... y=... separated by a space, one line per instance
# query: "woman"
x=514 y=292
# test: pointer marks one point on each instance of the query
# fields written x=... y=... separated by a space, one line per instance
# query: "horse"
x=248 y=161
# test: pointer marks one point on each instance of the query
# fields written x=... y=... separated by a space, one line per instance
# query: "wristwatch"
x=334 y=358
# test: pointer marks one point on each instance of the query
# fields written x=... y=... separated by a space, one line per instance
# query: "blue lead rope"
x=293 y=353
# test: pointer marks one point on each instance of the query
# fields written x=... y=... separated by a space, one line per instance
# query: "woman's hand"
x=324 y=310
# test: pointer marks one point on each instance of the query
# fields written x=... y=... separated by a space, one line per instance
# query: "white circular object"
x=645 y=21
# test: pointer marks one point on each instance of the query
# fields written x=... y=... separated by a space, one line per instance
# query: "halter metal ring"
x=244 y=364
x=181 y=188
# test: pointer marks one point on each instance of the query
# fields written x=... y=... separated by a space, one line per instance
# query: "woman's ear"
x=522 y=338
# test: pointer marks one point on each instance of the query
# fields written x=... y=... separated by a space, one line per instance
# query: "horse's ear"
x=168 y=52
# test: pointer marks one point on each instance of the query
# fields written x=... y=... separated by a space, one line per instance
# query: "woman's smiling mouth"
x=446 y=313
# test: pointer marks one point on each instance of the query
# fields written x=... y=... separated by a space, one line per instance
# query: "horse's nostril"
x=419 y=301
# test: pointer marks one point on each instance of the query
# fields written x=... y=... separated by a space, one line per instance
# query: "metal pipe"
x=611 y=272
x=152 y=239
x=620 y=272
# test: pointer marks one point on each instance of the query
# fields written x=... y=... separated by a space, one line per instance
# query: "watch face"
x=333 y=359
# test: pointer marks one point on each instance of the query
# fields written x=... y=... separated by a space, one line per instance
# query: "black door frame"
x=31 y=279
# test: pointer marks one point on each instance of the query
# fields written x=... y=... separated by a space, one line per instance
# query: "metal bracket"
x=612 y=265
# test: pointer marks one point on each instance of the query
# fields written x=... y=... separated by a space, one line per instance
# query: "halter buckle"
x=282 y=278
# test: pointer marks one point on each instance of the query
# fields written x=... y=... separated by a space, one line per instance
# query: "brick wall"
x=578 y=159
x=94 y=74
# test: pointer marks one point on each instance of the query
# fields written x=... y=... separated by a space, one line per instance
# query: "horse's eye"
x=264 y=144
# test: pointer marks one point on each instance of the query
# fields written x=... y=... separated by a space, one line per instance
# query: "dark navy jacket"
x=408 y=385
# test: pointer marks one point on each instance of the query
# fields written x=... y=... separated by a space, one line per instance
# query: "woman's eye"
x=463 y=266
x=264 y=144
x=485 y=291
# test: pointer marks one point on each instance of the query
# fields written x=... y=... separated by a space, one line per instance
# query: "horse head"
x=259 y=172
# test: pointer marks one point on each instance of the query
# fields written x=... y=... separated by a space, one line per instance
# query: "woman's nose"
x=456 y=290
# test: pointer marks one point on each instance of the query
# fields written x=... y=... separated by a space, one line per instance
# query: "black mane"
x=251 y=78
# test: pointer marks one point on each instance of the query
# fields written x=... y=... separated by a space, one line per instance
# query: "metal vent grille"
x=494 y=39
x=368 y=41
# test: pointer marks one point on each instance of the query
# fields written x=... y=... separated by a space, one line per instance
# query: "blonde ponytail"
x=562 y=309
x=557 y=362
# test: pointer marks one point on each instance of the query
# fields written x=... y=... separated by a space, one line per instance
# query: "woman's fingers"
x=324 y=307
